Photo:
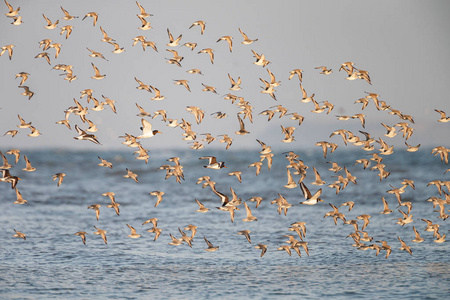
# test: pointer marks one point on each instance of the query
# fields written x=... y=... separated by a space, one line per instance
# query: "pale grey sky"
x=403 y=44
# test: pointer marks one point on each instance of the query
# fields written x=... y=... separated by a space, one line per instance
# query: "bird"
x=263 y=249
x=9 y=49
x=24 y=76
x=19 y=234
x=417 y=237
x=97 y=73
x=67 y=29
x=444 y=118
x=142 y=13
x=200 y=23
x=159 y=195
x=93 y=15
x=60 y=177
x=50 y=25
x=19 y=198
x=102 y=233
x=104 y=163
x=82 y=234
x=133 y=233
x=386 y=209
x=28 y=166
x=96 y=54
x=11 y=11
x=147 y=131
x=235 y=85
x=245 y=233
x=67 y=16
x=246 y=40
x=95 y=207
x=201 y=207
x=404 y=246
x=249 y=217
x=45 y=55
x=82 y=135
x=297 y=72
x=27 y=91
x=310 y=199
x=210 y=248
x=183 y=82
x=15 y=152
x=229 y=40
x=242 y=130
x=210 y=52
x=325 y=70
x=131 y=175
x=173 y=42
x=213 y=163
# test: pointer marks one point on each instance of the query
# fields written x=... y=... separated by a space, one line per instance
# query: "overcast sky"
x=404 y=45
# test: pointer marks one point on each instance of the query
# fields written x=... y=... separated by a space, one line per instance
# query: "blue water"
x=53 y=262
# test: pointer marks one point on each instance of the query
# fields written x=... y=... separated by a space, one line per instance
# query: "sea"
x=53 y=262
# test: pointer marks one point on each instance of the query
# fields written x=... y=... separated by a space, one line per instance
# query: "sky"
x=403 y=45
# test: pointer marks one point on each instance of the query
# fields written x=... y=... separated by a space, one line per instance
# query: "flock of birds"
x=231 y=202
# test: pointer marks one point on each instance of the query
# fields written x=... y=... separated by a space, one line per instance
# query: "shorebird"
x=250 y=217
x=11 y=11
x=386 y=209
x=67 y=29
x=199 y=23
x=263 y=249
x=83 y=135
x=82 y=234
x=210 y=52
x=235 y=85
x=142 y=13
x=97 y=73
x=245 y=233
x=27 y=91
x=417 y=237
x=60 y=177
x=229 y=40
x=173 y=42
x=404 y=246
x=158 y=96
x=28 y=166
x=19 y=234
x=17 y=20
x=67 y=16
x=210 y=248
x=183 y=82
x=190 y=45
x=102 y=233
x=133 y=233
x=117 y=48
x=96 y=54
x=242 y=130
x=147 y=131
x=297 y=72
x=159 y=196
x=131 y=175
x=95 y=207
x=9 y=49
x=443 y=118
x=213 y=163
x=246 y=40
x=310 y=199
x=145 y=24
x=19 y=198
x=325 y=70
x=50 y=25
x=175 y=241
x=201 y=207
x=93 y=15
x=24 y=76
x=15 y=152
x=106 y=38
x=7 y=177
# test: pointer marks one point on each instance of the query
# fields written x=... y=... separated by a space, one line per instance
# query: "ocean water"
x=53 y=263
